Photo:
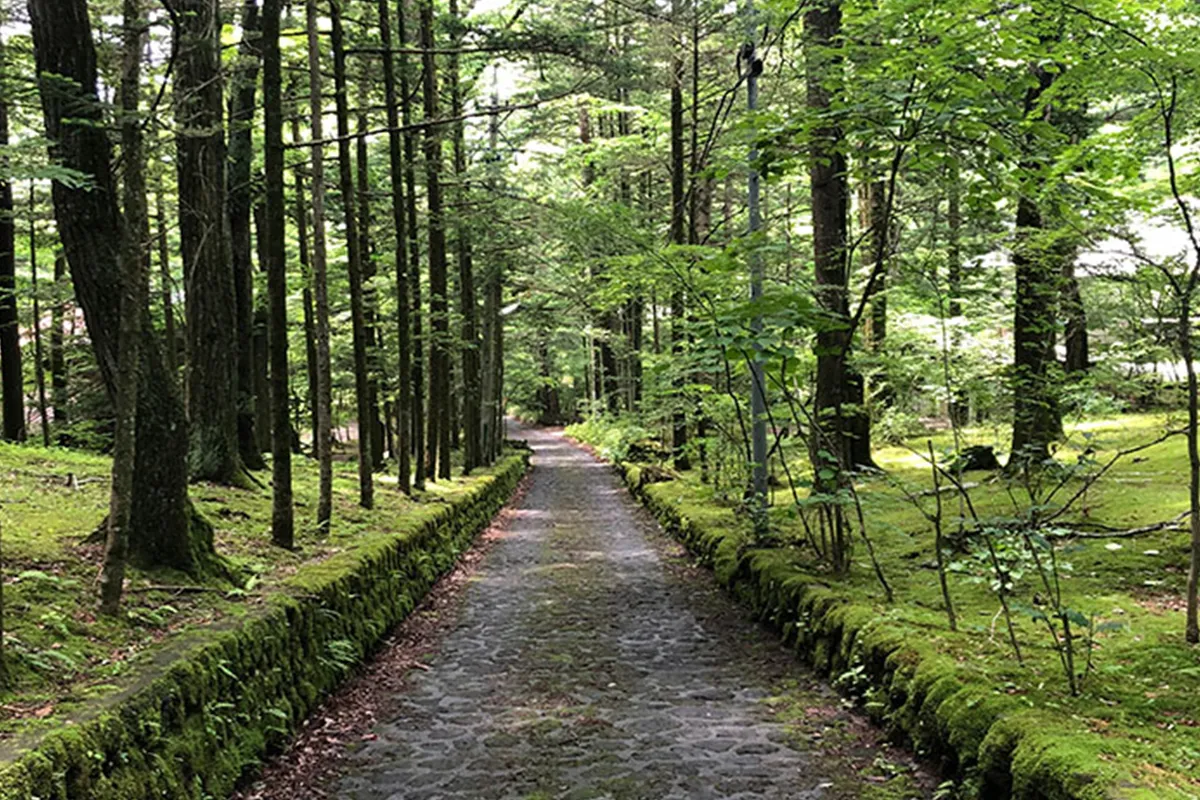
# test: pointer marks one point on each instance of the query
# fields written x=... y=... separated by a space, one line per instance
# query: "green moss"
x=214 y=701
x=961 y=694
x=1052 y=764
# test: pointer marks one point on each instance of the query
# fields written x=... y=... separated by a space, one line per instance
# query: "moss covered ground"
x=60 y=655
x=1134 y=729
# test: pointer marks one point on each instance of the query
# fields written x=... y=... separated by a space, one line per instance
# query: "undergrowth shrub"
x=612 y=437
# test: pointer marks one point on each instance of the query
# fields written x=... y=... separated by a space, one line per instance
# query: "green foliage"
x=615 y=438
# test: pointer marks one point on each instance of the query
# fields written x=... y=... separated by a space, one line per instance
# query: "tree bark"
x=310 y=326
x=399 y=223
x=59 y=389
x=370 y=297
x=439 y=352
x=837 y=391
x=208 y=274
x=877 y=230
x=417 y=429
x=39 y=359
x=282 y=524
x=678 y=235
x=12 y=379
x=1078 y=357
x=959 y=406
x=238 y=192
x=310 y=348
x=1036 y=416
x=164 y=530
x=324 y=440
x=166 y=290
x=471 y=399
x=354 y=264
x=1187 y=351
x=493 y=322
x=134 y=276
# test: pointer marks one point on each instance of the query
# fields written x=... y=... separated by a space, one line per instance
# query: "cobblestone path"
x=590 y=663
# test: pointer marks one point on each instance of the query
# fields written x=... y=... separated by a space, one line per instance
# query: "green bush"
x=612 y=437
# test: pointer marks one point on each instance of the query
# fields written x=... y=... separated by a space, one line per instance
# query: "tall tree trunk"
x=260 y=362
x=164 y=529
x=1078 y=358
x=878 y=230
x=166 y=290
x=354 y=263
x=493 y=322
x=135 y=274
x=399 y=223
x=282 y=527
x=678 y=233
x=238 y=207
x=439 y=351
x=1036 y=416
x=1187 y=351
x=310 y=325
x=959 y=406
x=211 y=309
x=59 y=394
x=12 y=379
x=370 y=296
x=877 y=227
x=39 y=359
x=471 y=399
x=758 y=452
x=830 y=214
x=324 y=441
x=417 y=429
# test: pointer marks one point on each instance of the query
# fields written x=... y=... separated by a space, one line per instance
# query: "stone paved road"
x=585 y=665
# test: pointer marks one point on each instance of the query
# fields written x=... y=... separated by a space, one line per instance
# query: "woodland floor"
x=60 y=655
x=577 y=653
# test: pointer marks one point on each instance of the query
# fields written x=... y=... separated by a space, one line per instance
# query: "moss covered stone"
x=995 y=747
x=215 y=702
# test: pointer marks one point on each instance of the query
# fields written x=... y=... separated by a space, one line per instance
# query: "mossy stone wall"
x=995 y=747
x=215 y=703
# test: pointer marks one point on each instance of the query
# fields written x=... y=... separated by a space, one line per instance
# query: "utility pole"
x=758 y=399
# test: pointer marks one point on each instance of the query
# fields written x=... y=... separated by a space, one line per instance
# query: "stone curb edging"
x=995 y=747
x=214 y=703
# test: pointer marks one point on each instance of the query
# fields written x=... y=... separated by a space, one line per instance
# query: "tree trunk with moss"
x=164 y=529
x=1078 y=355
x=134 y=268
x=1037 y=420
